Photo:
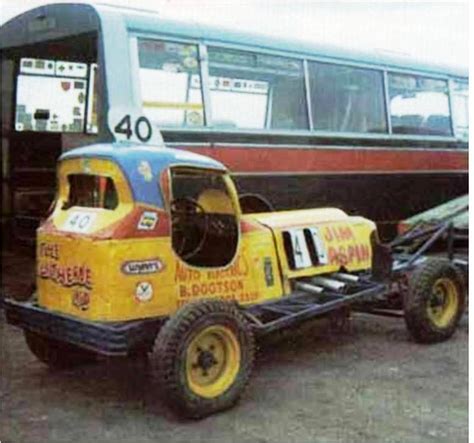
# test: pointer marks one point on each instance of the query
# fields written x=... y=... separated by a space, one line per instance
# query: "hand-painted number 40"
x=142 y=128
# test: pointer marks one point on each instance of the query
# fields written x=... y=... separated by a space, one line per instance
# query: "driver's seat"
x=215 y=201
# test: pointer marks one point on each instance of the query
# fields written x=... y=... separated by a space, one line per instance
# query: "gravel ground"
x=369 y=384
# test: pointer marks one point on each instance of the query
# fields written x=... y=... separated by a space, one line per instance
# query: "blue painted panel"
x=136 y=160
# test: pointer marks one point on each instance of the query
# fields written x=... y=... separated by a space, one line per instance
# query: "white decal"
x=319 y=246
x=144 y=169
x=127 y=125
x=300 y=249
x=237 y=85
x=139 y=267
x=86 y=165
x=144 y=291
x=147 y=221
x=79 y=221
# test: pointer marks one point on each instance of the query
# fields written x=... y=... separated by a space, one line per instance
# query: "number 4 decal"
x=301 y=255
x=319 y=246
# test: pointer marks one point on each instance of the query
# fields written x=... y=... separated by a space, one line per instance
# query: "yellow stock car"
x=150 y=250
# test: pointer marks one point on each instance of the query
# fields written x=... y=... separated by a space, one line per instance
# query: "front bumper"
x=106 y=338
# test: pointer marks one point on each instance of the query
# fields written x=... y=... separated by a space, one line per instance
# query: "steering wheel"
x=186 y=229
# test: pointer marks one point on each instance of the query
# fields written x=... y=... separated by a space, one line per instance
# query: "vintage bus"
x=299 y=125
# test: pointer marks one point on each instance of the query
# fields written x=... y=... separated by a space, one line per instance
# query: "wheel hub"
x=443 y=302
x=206 y=360
x=212 y=361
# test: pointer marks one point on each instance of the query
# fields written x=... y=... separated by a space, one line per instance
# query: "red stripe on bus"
x=333 y=160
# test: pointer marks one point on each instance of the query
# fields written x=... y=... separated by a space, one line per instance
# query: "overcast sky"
x=433 y=31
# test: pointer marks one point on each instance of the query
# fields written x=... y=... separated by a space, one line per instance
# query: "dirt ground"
x=370 y=384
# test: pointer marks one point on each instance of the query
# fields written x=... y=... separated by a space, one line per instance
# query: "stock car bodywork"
x=120 y=259
x=149 y=250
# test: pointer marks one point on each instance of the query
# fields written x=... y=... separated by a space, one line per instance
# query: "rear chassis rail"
x=105 y=338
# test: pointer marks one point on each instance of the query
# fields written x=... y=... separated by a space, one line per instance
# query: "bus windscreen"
x=55 y=96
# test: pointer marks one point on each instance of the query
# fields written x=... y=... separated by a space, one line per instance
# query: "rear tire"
x=435 y=301
x=57 y=354
x=204 y=356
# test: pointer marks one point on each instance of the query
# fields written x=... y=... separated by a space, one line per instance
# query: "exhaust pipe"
x=329 y=283
x=306 y=287
x=349 y=278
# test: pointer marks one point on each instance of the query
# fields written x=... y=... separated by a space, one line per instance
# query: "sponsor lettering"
x=338 y=233
x=140 y=267
x=49 y=250
x=210 y=288
x=224 y=284
x=184 y=274
x=243 y=297
x=343 y=255
x=66 y=276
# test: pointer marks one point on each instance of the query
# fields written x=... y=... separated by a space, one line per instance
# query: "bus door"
x=50 y=100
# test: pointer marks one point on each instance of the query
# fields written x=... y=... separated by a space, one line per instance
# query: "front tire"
x=435 y=301
x=204 y=358
x=57 y=354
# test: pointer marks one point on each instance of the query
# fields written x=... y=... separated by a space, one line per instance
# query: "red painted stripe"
x=320 y=159
x=128 y=226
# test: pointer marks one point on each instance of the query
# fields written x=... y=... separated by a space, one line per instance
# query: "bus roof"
x=151 y=22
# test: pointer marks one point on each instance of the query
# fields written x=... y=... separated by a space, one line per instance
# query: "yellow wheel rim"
x=443 y=303
x=212 y=361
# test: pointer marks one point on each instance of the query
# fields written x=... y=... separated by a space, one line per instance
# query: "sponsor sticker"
x=140 y=267
x=86 y=165
x=268 y=270
x=144 y=169
x=81 y=299
x=144 y=291
x=148 y=221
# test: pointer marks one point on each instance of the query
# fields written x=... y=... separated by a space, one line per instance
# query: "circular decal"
x=144 y=291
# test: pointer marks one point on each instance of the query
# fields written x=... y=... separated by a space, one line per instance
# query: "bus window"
x=460 y=109
x=347 y=99
x=53 y=95
x=419 y=105
x=256 y=91
x=170 y=83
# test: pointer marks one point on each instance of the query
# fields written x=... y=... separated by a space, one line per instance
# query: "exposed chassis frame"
x=367 y=295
